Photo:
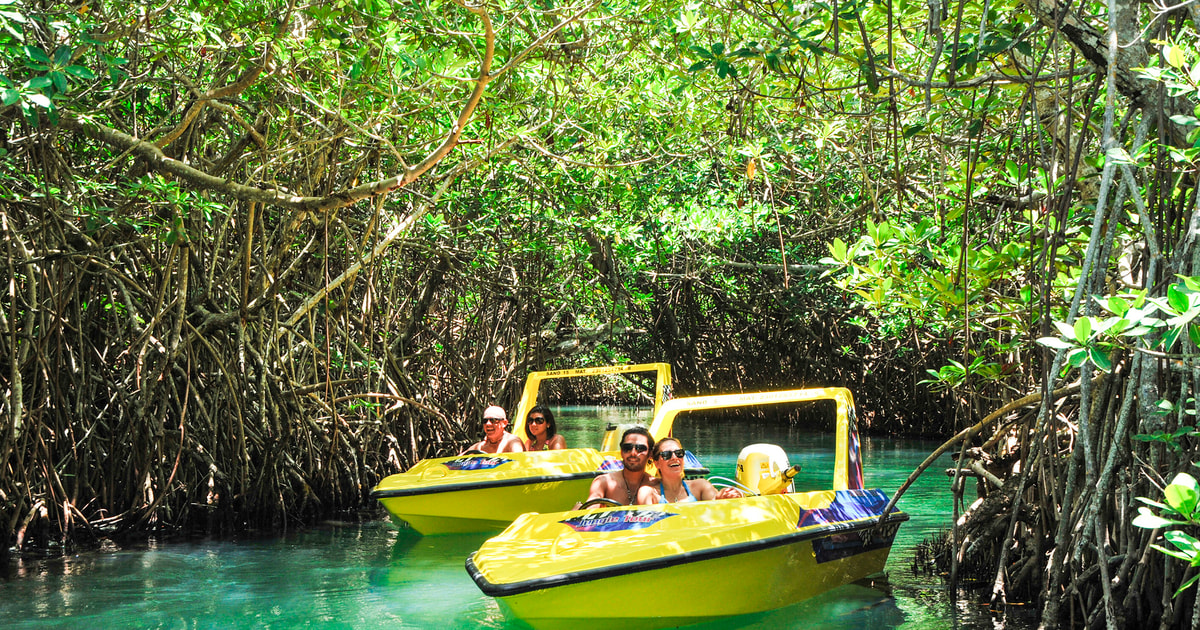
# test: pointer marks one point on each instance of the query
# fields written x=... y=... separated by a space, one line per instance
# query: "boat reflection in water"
x=687 y=563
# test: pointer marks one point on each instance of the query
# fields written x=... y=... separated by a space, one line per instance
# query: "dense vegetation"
x=259 y=254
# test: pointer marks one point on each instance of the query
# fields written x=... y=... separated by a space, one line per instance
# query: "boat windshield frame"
x=847 y=468
x=533 y=383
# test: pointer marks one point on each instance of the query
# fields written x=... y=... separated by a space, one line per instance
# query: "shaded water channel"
x=372 y=575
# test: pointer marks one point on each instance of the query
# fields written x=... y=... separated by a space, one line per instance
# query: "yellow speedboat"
x=684 y=563
x=482 y=492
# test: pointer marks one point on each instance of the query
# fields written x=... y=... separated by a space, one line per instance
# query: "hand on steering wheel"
x=730 y=493
x=602 y=501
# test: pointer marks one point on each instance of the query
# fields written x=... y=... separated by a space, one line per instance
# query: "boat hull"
x=483 y=509
x=484 y=493
x=689 y=563
x=693 y=593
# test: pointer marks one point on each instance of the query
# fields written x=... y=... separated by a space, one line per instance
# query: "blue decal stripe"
x=848 y=505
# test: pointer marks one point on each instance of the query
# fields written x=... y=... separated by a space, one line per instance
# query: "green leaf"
x=1177 y=298
x=1174 y=554
x=1147 y=519
x=1118 y=306
x=837 y=249
x=1168 y=339
x=60 y=81
x=1156 y=504
x=1182 y=494
x=1055 y=343
x=1188 y=583
x=36 y=54
x=1175 y=56
x=62 y=56
x=1083 y=329
x=1119 y=156
x=1188 y=545
x=81 y=72
x=10 y=96
x=1100 y=359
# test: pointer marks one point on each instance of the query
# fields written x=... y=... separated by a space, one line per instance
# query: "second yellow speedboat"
x=482 y=492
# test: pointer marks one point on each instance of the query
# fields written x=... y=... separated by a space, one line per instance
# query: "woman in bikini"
x=542 y=433
x=671 y=487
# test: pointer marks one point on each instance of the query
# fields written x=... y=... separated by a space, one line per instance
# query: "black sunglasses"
x=537 y=420
x=666 y=455
x=630 y=446
x=491 y=420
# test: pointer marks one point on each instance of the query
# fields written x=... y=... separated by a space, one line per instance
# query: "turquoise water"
x=372 y=575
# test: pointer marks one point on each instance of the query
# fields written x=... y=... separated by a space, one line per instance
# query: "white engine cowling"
x=764 y=469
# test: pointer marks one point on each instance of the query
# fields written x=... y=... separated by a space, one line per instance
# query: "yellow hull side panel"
x=481 y=493
x=486 y=509
x=695 y=592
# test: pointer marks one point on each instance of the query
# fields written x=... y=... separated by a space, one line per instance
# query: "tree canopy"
x=259 y=254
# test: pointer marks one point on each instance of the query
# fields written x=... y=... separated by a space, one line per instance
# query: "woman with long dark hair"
x=543 y=434
x=671 y=486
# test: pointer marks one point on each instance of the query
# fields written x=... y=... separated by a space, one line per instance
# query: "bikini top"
x=662 y=494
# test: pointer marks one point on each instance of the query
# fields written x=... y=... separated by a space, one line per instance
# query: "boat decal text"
x=615 y=521
x=476 y=463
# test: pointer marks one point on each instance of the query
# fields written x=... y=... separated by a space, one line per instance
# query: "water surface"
x=372 y=575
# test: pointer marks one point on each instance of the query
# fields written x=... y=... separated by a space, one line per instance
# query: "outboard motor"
x=764 y=469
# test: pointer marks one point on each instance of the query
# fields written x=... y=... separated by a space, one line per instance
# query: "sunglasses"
x=492 y=420
x=537 y=420
x=630 y=446
x=667 y=455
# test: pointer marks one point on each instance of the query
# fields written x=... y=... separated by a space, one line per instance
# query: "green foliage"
x=1157 y=323
x=1181 y=77
x=1181 y=508
x=38 y=77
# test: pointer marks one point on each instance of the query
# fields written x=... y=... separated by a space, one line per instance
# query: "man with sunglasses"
x=622 y=485
x=496 y=438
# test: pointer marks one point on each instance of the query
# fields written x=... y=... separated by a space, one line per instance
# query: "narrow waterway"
x=372 y=575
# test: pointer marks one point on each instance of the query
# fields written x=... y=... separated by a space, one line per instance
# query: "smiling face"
x=494 y=423
x=635 y=451
x=668 y=468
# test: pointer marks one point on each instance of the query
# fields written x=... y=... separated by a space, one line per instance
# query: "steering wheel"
x=604 y=501
x=474 y=451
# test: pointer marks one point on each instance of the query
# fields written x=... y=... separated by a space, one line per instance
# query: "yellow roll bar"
x=847 y=466
x=662 y=387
